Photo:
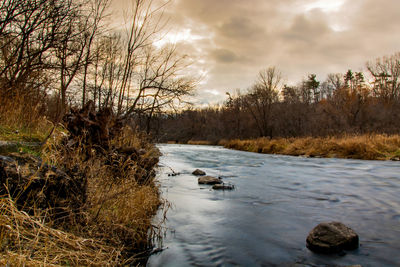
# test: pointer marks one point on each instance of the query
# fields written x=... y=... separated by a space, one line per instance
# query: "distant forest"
x=345 y=103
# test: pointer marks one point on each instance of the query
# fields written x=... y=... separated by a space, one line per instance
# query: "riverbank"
x=74 y=200
x=367 y=147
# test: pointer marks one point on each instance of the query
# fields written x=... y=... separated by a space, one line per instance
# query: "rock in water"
x=209 y=180
x=332 y=237
x=198 y=172
x=223 y=187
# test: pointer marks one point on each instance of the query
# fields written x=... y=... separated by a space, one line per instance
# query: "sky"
x=230 y=41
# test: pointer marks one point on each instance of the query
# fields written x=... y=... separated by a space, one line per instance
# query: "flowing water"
x=277 y=201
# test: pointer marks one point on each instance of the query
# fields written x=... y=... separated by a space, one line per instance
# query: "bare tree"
x=161 y=83
x=96 y=14
x=69 y=53
x=29 y=30
x=386 y=74
x=144 y=24
x=112 y=69
x=333 y=82
x=10 y=10
x=261 y=97
x=233 y=115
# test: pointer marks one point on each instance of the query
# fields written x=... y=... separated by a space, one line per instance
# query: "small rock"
x=332 y=237
x=223 y=187
x=209 y=180
x=198 y=172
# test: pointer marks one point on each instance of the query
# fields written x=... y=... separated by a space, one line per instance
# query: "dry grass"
x=124 y=203
x=21 y=119
x=369 y=147
x=201 y=142
x=117 y=215
x=115 y=223
x=122 y=197
x=27 y=241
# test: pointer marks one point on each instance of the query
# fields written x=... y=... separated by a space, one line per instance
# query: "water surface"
x=277 y=201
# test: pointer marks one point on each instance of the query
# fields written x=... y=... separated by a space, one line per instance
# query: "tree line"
x=345 y=103
x=58 y=54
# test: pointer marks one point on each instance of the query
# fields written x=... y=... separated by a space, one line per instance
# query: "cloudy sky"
x=230 y=41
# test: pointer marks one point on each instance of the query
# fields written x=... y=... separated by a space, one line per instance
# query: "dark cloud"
x=240 y=28
x=224 y=56
x=307 y=29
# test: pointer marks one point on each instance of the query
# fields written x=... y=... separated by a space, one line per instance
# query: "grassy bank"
x=202 y=143
x=78 y=204
x=369 y=147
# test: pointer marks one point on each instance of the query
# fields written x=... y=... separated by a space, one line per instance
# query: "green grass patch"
x=22 y=134
x=34 y=151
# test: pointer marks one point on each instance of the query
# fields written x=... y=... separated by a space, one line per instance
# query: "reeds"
x=369 y=147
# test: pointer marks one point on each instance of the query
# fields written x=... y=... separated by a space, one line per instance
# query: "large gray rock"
x=209 y=180
x=223 y=187
x=332 y=237
x=198 y=172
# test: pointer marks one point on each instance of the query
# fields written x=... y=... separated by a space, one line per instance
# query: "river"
x=277 y=201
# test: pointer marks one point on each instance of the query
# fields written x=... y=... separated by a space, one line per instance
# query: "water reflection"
x=277 y=201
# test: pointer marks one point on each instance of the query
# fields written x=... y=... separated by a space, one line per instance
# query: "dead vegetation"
x=201 y=142
x=369 y=147
x=27 y=240
x=88 y=200
x=22 y=119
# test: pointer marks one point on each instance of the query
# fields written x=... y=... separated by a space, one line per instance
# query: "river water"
x=277 y=201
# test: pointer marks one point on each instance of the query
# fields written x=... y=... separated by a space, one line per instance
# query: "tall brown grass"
x=369 y=147
x=201 y=142
x=113 y=227
x=26 y=240
x=24 y=114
